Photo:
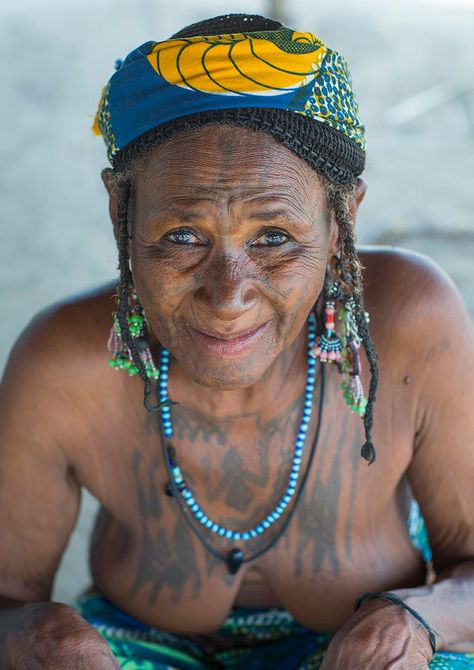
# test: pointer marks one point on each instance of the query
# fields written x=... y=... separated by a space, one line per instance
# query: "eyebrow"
x=189 y=209
x=172 y=211
x=269 y=215
x=272 y=215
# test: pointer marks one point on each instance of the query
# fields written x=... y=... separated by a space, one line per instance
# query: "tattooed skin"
x=197 y=427
x=168 y=558
x=319 y=510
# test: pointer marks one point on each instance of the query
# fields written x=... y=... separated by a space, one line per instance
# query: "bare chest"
x=342 y=533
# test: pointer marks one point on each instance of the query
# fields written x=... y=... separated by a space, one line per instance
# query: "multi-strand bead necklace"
x=178 y=485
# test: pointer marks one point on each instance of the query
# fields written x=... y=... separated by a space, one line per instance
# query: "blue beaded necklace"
x=178 y=484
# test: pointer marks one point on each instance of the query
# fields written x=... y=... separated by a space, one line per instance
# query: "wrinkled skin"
x=226 y=276
x=51 y=636
x=379 y=636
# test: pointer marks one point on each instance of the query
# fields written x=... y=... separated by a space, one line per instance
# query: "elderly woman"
x=240 y=527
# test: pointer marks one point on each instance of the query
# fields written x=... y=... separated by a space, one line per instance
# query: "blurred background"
x=412 y=63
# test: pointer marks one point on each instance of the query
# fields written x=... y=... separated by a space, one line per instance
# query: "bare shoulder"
x=58 y=364
x=63 y=336
x=404 y=277
x=410 y=298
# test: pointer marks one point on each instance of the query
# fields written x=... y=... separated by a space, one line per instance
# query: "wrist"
x=417 y=623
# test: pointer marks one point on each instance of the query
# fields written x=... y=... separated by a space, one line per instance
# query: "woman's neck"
x=279 y=386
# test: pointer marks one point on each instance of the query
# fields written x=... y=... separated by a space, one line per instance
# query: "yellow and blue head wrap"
x=238 y=77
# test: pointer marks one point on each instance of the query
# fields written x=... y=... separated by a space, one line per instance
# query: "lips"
x=229 y=343
x=230 y=336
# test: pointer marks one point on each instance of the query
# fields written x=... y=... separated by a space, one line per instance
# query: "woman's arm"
x=442 y=470
x=39 y=503
x=39 y=496
x=438 y=333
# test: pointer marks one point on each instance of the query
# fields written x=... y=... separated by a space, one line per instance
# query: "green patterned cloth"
x=250 y=639
x=260 y=639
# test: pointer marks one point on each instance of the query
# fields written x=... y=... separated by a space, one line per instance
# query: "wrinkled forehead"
x=225 y=160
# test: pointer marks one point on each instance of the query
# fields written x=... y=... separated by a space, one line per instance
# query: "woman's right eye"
x=182 y=236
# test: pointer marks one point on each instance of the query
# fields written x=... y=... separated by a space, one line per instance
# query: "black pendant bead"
x=169 y=489
x=235 y=558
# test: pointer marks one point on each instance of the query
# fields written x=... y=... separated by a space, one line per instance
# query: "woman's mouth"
x=228 y=344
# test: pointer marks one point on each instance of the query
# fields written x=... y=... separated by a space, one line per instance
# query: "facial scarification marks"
x=167 y=558
x=228 y=145
x=320 y=509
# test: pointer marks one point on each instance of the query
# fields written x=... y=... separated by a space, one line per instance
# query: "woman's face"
x=230 y=237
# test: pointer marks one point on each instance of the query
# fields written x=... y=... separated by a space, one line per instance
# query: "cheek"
x=161 y=282
x=298 y=280
x=167 y=271
x=168 y=281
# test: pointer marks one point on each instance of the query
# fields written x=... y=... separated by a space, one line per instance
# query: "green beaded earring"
x=121 y=357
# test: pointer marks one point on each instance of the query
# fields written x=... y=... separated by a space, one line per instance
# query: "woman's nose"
x=229 y=288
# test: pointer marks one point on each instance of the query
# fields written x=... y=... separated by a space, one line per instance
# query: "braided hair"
x=339 y=196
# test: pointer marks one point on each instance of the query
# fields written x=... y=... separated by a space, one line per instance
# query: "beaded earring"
x=352 y=388
x=121 y=357
x=328 y=346
x=341 y=348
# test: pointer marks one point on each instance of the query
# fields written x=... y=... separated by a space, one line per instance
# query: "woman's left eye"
x=271 y=238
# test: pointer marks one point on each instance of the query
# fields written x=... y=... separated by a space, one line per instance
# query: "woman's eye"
x=271 y=238
x=182 y=236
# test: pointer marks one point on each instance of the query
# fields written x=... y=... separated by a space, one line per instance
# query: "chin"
x=224 y=375
x=224 y=365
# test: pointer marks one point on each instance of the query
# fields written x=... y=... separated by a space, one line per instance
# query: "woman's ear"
x=105 y=174
x=359 y=194
x=334 y=235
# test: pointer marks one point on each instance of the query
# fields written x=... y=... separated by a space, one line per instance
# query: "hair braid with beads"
x=123 y=191
x=339 y=198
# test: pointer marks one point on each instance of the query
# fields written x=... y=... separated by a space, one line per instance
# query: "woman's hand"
x=379 y=636
x=52 y=636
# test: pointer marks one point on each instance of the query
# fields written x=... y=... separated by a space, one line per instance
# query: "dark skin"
x=252 y=237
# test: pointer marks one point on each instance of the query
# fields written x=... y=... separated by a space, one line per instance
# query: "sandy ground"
x=55 y=56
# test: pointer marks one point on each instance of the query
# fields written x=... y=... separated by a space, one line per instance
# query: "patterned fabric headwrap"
x=281 y=81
